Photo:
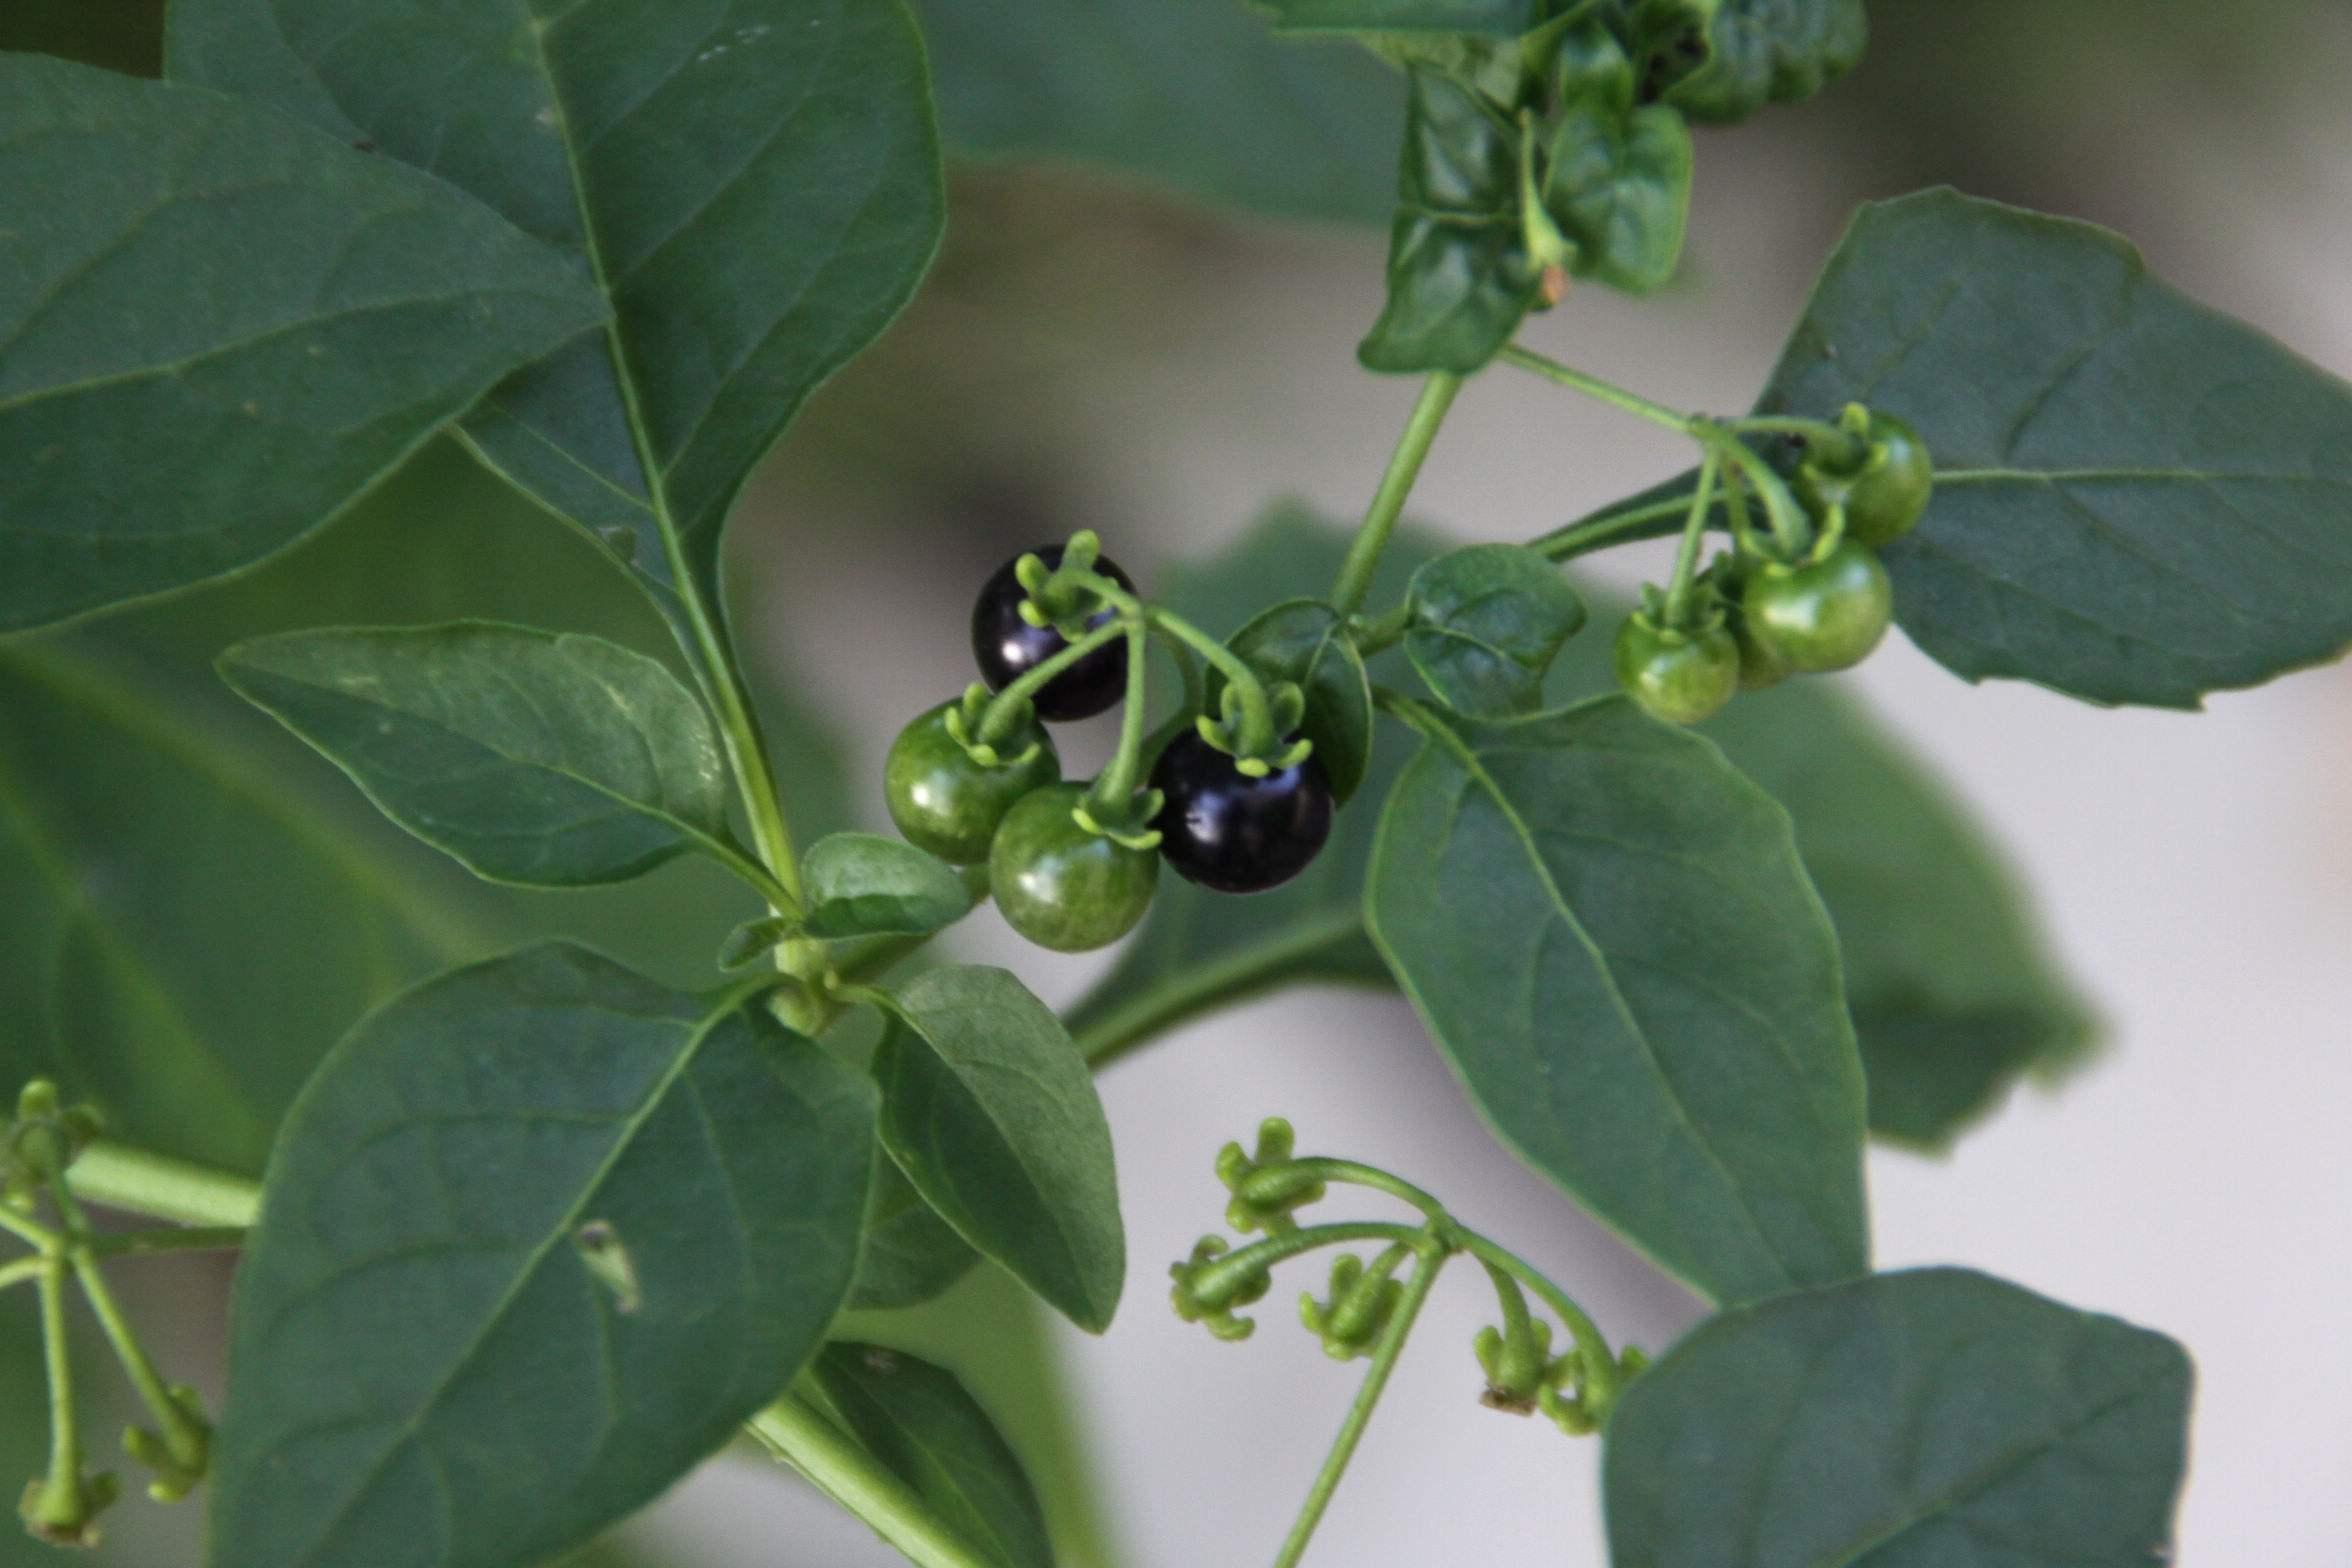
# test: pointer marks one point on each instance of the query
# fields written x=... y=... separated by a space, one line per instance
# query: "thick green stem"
x=1118 y=780
x=116 y=1176
x=1351 y=1430
x=1694 y=534
x=843 y=1471
x=1396 y=485
x=1607 y=392
x=63 y=1508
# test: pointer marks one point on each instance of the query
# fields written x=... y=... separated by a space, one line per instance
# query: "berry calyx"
x=1226 y=829
x=948 y=802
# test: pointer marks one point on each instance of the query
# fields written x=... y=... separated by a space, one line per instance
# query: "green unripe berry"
x=1681 y=677
x=1825 y=615
x=946 y=801
x=1060 y=884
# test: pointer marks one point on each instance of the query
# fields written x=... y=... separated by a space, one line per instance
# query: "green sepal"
x=1209 y=1286
x=1127 y=823
x=1361 y=1304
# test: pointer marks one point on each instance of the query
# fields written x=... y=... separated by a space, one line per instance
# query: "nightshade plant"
x=542 y=1232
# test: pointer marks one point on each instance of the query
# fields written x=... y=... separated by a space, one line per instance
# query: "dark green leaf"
x=1609 y=932
x=1197 y=96
x=861 y=884
x=1751 y=52
x=909 y=1254
x=754 y=183
x=1937 y=1419
x=1303 y=641
x=1617 y=177
x=1482 y=18
x=582 y=1227
x=1458 y=275
x=2138 y=500
x=990 y=1110
x=1487 y=623
x=1950 y=984
x=1200 y=950
x=533 y=757
x=222 y=329
x=926 y=1430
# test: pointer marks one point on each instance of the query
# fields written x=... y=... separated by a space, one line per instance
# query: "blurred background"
x=1161 y=254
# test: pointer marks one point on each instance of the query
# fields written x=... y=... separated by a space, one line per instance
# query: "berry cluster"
x=1796 y=600
x=1059 y=636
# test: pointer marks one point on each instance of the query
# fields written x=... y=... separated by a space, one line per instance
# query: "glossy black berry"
x=1228 y=831
x=1008 y=647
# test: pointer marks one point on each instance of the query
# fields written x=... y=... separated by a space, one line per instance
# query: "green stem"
x=1396 y=485
x=996 y=720
x=1792 y=530
x=184 y=1442
x=1601 y=1374
x=843 y=1471
x=1382 y=632
x=1841 y=448
x=1694 y=534
x=1351 y=1430
x=154 y=1243
x=1117 y=783
x=116 y=1176
x=1652 y=521
x=1370 y=1176
x=62 y=1505
x=1607 y=392
x=32 y=1233
x=1260 y=1256
x=22 y=1269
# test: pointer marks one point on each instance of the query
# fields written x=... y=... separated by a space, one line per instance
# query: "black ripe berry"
x=1008 y=647
x=1228 y=831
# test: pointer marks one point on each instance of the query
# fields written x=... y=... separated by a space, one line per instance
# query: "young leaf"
x=754 y=185
x=1617 y=176
x=223 y=328
x=861 y=884
x=582 y=1226
x=1609 y=932
x=909 y=1254
x=1751 y=53
x=2138 y=500
x=1931 y=1418
x=990 y=1111
x=1303 y=641
x=1458 y=278
x=926 y=1430
x=537 y=758
x=1214 y=105
x=1487 y=622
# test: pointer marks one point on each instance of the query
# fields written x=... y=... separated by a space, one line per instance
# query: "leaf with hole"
x=584 y=1225
x=552 y=760
x=861 y=884
x=918 y=1421
x=181 y=401
x=1608 y=931
x=753 y=184
x=991 y=1112
x=1936 y=1419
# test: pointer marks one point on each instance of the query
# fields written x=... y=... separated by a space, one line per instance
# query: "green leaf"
x=222 y=329
x=1458 y=275
x=909 y=1254
x=861 y=884
x=1487 y=622
x=1954 y=995
x=755 y=186
x=1198 y=950
x=582 y=1227
x=1303 y=641
x=1197 y=97
x=1608 y=931
x=551 y=760
x=1617 y=176
x=1478 y=18
x=2138 y=500
x=1753 y=52
x=1936 y=1419
x=926 y=1430
x=992 y=1114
